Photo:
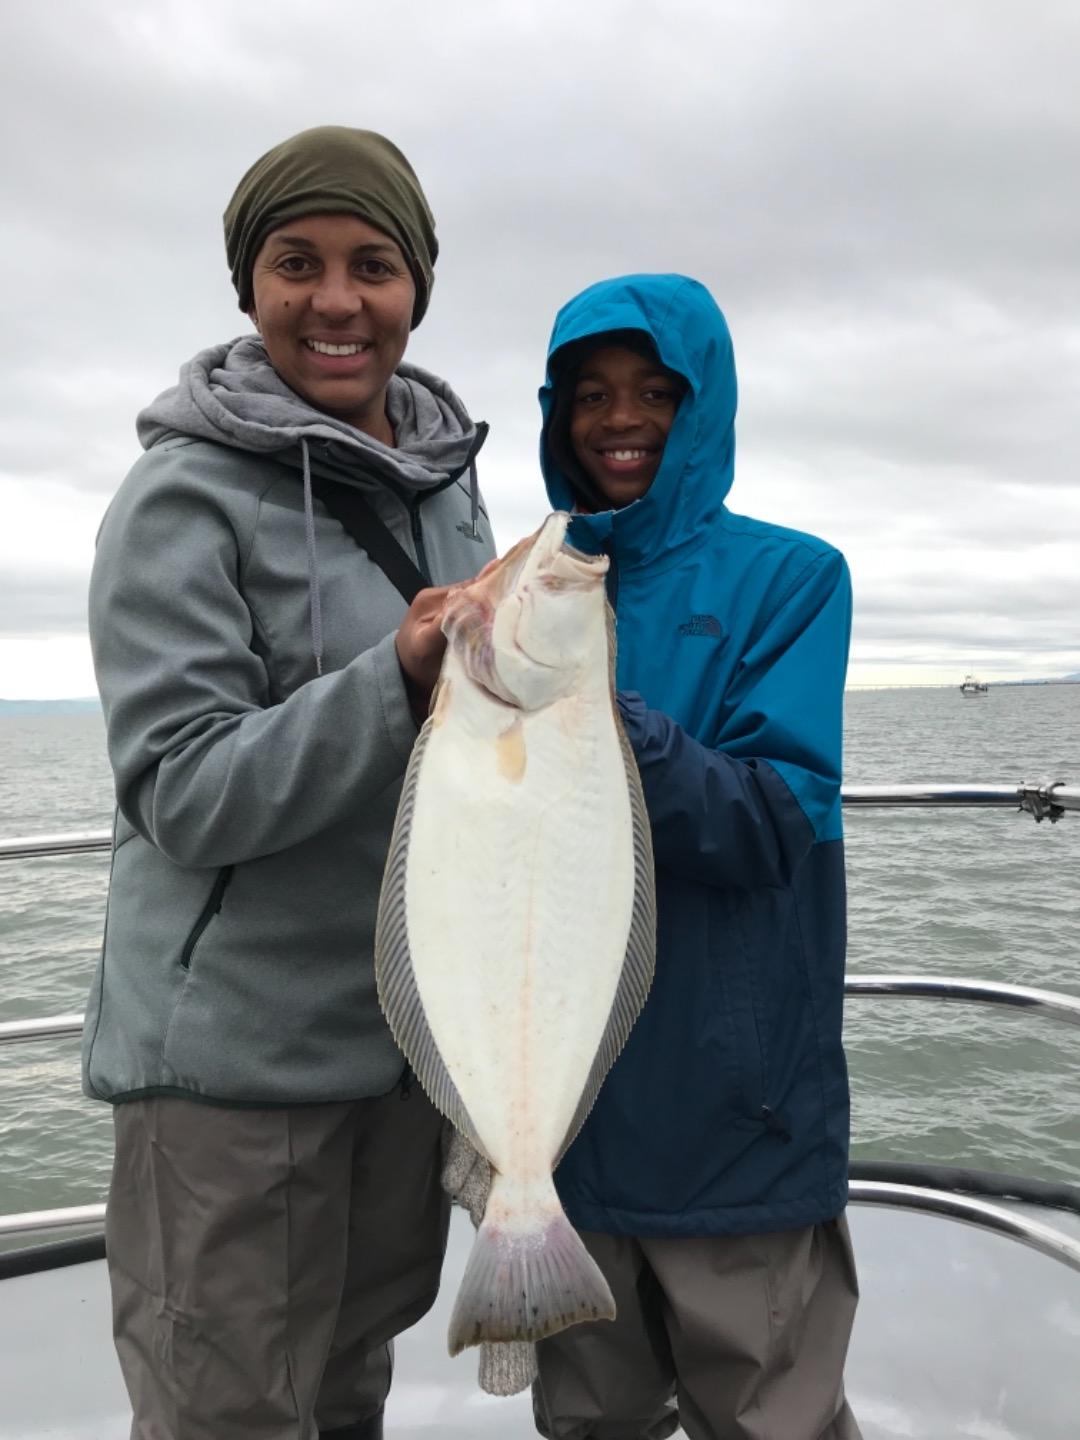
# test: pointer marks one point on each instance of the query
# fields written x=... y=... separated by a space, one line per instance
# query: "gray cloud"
x=46 y=603
x=883 y=200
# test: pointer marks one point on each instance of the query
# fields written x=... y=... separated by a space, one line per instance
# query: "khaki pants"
x=740 y=1338
x=261 y=1261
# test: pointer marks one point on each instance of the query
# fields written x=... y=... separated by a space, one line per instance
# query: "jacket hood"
x=231 y=394
x=691 y=337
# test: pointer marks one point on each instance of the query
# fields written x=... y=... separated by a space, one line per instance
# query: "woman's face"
x=622 y=409
x=333 y=304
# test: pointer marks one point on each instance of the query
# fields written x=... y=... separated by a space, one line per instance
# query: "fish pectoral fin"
x=467 y=1176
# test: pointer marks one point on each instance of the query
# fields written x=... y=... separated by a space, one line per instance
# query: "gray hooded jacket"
x=258 y=730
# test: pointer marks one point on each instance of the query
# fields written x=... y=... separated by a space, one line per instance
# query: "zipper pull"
x=775 y=1125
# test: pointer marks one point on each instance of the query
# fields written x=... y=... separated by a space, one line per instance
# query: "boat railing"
x=1042 y=799
x=71 y=842
x=1053 y=1004
x=1045 y=799
x=890 y=1186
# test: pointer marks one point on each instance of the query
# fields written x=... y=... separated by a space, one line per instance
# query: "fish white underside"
x=519 y=890
x=517 y=924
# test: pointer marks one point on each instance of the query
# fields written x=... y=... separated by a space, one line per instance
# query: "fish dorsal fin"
x=640 y=959
x=394 y=974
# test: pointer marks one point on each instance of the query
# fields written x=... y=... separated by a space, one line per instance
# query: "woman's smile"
x=339 y=349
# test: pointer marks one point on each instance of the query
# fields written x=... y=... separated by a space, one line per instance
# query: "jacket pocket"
x=780 y=1031
x=730 y=1009
x=212 y=907
x=747 y=985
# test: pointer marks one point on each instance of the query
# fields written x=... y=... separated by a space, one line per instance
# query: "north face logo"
x=707 y=625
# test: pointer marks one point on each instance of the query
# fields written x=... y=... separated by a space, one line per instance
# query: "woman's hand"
x=421 y=645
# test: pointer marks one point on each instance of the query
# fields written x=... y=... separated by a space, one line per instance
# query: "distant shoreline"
x=85 y=705
x=51 y=707
x=955 y=685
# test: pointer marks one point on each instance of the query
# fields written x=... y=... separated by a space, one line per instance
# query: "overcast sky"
x=883 y=197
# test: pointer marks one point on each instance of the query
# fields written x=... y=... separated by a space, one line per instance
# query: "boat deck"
x=960 y=1333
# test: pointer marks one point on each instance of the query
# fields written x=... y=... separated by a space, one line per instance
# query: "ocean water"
x=988 y=895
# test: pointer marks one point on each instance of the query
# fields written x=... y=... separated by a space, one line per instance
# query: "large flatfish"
x=516 y=931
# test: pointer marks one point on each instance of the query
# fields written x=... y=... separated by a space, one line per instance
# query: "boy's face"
x=622 y=409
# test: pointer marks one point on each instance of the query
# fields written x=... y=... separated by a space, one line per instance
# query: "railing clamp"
x=1038 y=800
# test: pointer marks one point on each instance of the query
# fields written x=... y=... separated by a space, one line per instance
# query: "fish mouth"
x=545 y=557
x=594 y=566
x=554 y=562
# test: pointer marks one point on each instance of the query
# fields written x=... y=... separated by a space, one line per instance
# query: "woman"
x=275 y=1215
x=710 y=1179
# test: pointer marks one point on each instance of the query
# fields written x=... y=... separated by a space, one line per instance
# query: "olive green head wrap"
x=332 y=170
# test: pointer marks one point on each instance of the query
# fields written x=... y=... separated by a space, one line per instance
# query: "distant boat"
x=971 y=687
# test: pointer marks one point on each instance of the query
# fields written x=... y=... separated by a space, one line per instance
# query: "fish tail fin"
x=523 y=1284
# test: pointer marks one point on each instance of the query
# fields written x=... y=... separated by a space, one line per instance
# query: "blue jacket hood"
x=691 y=337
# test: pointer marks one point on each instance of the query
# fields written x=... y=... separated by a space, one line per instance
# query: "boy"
x=710 y=1179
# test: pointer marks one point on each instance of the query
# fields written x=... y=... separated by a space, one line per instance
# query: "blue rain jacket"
x=727 y=1112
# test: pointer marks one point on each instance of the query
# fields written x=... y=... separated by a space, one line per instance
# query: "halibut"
x=517 y=926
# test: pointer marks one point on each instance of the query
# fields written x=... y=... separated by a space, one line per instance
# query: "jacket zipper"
x=612 y=582
x=418 y=540
x=768 y=1117
x=206 y=914
x=773 y=1123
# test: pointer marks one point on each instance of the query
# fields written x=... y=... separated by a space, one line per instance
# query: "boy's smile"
x=622 y=410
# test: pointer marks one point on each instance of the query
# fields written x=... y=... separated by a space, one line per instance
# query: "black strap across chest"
x=359 y=519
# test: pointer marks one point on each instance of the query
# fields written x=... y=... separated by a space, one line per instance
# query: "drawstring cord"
x=314 y=598
x=474 y=484
x=474 y=499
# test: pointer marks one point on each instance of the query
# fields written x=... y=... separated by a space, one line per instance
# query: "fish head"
x=528 y=624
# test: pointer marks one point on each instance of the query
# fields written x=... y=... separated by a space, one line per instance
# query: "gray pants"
x=739 y=1338
x=261 y=1261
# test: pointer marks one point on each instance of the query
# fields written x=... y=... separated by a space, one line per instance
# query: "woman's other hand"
x=421 y=645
